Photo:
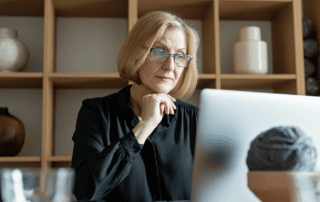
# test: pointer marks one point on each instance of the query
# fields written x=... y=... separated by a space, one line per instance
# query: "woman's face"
x=161 y=77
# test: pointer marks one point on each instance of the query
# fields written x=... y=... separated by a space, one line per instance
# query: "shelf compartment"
x=251 y=9
x=21 y=80
x=26 y=105
x=187 y=9
x=206 y=81
x=87 y=80
x=278 y=83
x=285 y=29
x=22 y=7
x=20 y=159
x=91 y=8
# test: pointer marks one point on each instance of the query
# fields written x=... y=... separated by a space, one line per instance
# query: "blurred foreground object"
x=35 y=185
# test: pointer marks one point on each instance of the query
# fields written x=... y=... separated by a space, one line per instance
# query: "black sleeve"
x=194 y=117
x=99 y=167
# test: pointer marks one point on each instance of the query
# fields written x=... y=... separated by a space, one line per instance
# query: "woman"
x=137 y=144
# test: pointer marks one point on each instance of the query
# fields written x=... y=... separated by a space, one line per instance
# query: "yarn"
x=310 y=48
x=312 y=86
x=282 y=148
x=309 y=67
x=306 y=27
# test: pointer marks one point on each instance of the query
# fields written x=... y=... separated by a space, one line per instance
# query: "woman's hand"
x=154 y=106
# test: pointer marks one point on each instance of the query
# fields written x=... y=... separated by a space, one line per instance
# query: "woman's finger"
x=167 y=101
x=171 y=98
x=162 y=108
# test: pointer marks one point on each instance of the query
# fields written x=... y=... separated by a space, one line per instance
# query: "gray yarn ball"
x=310 y=48
x=309 y=67
x=306 y=27
x=282 y=148
x=312 y=86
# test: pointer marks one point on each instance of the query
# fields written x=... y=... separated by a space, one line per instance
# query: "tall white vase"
x=250 y=53
x=14 y=54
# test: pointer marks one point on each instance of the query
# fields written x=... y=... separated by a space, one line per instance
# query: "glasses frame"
x=188 y=57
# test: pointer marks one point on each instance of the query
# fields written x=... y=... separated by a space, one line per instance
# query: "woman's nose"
x=170 y=64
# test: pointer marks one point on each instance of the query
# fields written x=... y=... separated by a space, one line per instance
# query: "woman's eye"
x=180 y=56
x=160 y=52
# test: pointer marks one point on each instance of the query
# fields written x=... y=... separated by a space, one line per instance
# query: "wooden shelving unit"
x=284 y=15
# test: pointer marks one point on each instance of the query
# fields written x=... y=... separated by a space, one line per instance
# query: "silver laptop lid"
x=228 y=122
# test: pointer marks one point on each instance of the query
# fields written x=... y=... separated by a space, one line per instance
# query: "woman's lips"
x=164 y=78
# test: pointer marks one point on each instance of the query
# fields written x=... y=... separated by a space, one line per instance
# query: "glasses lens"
x=181 y=60
x=159 y=55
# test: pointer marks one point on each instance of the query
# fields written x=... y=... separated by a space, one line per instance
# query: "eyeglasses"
x=160 y=55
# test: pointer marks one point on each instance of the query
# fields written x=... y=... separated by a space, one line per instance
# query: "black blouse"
x=110 y=164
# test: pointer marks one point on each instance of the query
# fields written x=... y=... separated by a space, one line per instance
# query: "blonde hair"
x=139 y=41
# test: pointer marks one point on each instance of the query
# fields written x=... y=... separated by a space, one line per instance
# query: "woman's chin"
x=163 y=88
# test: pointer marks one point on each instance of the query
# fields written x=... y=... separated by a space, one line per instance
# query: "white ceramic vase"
x=14 y=54
x=250 y=53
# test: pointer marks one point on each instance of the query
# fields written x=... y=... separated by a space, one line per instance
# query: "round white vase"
x=250 y=53
x=14 y=54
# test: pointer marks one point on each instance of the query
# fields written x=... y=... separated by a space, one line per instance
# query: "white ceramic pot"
x=250 y=53
x=14 y=54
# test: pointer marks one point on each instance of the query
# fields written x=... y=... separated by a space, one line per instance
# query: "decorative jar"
x=14 y=54
x=250 y=53
x=12 y=133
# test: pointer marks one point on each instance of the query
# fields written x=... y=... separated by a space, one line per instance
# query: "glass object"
x=36 y=185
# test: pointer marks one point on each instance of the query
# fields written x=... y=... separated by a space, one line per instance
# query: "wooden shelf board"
x=251 y=9
x=21 y=80
x=242 y=81
x=187 y=9
x=258 y=76
x=105 y=80
x=91 y=8
x=20 y=159
x=60 y=158
x=87 y=80
x=22 y=8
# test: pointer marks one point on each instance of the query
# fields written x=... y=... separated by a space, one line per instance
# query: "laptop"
x=228 y=122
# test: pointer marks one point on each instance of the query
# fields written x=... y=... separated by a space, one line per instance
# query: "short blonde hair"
x=140 y=40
